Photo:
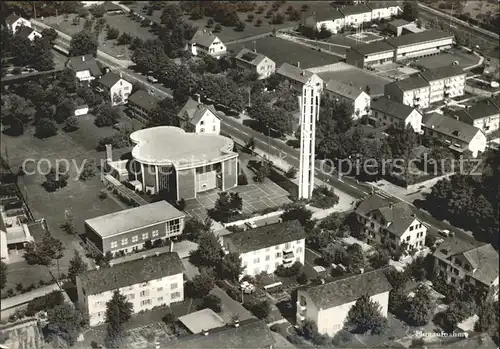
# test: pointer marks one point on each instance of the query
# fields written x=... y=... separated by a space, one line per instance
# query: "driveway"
x=230 y=306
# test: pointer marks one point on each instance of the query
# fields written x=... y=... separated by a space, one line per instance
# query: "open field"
x=445 y=59
x=360 y=78
x=281 y=51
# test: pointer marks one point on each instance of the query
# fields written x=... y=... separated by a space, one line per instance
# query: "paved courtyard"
x=255 y=197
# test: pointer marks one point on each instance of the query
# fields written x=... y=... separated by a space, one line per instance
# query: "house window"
x=145 y=236
x=159 y=289
x=146 y=302
x=411 y=228
x=173 y=227
x=144 y=293
x=214 y=128
x=299 y=249
x=155 y=233
x=160 y=299
x=407 y=238
x=124 y=241
x=256 y=260
x=202 y=130
x=202 y=123
x=268 y=257
x=466 y=267
x=278 y=254
x=173 y=286
x=114 y=244
x=175 y=295
x=135 y=238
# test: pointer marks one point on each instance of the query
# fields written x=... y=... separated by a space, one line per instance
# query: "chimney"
x=205 y=332
x=109 y=152
x=298 y=64
x=83 y=58
x=236 y=323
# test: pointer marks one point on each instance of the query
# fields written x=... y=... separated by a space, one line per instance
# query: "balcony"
x=288 y=256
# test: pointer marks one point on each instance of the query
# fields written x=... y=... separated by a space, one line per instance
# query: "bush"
x=213 y=302
x=260 y=309
x=294 y=270
x=103 y=194
x=49 y=301
x=302 y=278
x=234 y=294
x=46 y=128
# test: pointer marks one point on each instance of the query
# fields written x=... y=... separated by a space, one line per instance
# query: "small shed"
x=201 y=320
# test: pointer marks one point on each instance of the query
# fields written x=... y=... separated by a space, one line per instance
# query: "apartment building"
x=205 y=42
x=127 y=231
x=425 y=43
x=485 y=115
x=461 y=262
x=197 y=117
x=265 y=248
x=413 y=91
x=141 y=104
x=384 y=9
x=357 y=100
x=15 y=22
x=328 y=304
x=253 y=62
x=387 y=112
x=370 y=55
x=459 y=135
x=147 y=283
x=385 y=222
x=85 y=67
x=356 y=15
x=116 y=88
x=298 y=77
x=445 y=82
x=332 y=19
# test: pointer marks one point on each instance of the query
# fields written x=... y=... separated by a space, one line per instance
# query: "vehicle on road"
x=152 y=79
x=446 y=233
x=251 y=225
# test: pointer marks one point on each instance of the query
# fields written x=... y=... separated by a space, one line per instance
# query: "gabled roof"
x=355 y=9
x=144 y=100
x=251 y=333
x=413 y=82
x=450 y=127
x=82 y=63
x=25 y=31
x=295 y=73
x=329 y=14
x=479 y=110
x=398 y=216
x=442 y=73
x=250 y=56
x=130 y=273
x=265 y=236
x=203 y=38
x=344 y=90
x=11 y=19
x=373 y=47
x=110 y=79
x=193 y=111
x=415 y=38
x=349 y=289
x=392 y=108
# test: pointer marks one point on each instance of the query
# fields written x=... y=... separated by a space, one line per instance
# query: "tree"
x=3 y=275
x=194 y=228
x=106 y=115
x=44 y=252
x=380 y=259
x=263 y=171
x=217 y=28
x=209 y=253
x=44 y=60
x=294 y=15
x=410 y=11
x=302 y=278
x=231 y=267
x=278 y=18
x=260 y=309
x=72 y=123
x=365 y=316
x=15 y=107
x=291 y=172
x=226 y=206
x=354 y=259
x=76 y=266
x=165 y=114
x=488 y=319
x=419 y=309
x=83 y=43
x=201 y=285
x=124 y=39
x=298 y=211
x=240 y=26
x=46 y=128
x=49 y=34
x=66 y=322
x=258 y=22
x=456 y=312
x=118 y=312
x=250 y=145
x=210 y=22
x=112 y=33
x=324 y=197
x=23 y=50
x=309 y=329
x=97 y=10
x=213 y=302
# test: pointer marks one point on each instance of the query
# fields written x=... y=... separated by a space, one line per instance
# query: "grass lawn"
x=79 y=198
x=281 y=51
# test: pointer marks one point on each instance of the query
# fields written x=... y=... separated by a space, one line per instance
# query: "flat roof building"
x=425 y=43
x=183 y=164
x=445 y=82
x=372 y=54
x=413 y=91
x=127 y=231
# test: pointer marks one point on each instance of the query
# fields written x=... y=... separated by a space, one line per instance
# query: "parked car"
x=152 y=79
x=247 y=287
x=251 y=225
x=446 y=233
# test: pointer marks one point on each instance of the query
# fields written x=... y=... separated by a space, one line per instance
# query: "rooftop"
x=382 y=4
x=165 y=145
x=251 y=333
x=343 y=89
x=193 y=111
x=398 y=23
x=329 y=14
x=479 y=110
x=82 y=63
x=130 y=273
x=294 y=73
x=410 y=83
x=416 y=38
x=392 y=108
x=202 y=320
x=354 y=9
x=450 y=127
x=10 y=19
x=349 y=289
x=374 y=47
x=24 y=31
x=133 y=218
x=250 y=56
x=110 y=79
x=203 y=38
x=398 y=216
x=442 y=72
x=144 y=100
x=265 y=236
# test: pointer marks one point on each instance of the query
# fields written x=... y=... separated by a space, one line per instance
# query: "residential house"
x=147 y=283
x=357 y=100
x=328 y=304
x=461 y=262
x=332 y=19
x=298 y=77
x=141 y=104
x=413 y=91
x=205 y=42
x=14 y=22
x=253 y=62
x=265 y=248
x=15 y=223
x=197 y=117
x=116 y=88
x=445 y=82
x=457 y=134
x=129 y=230
x=388 y=223
x=386 y=112
x=28 y=33
x=369 y=55
x=484 y=115
x=250 y=333
x=356 y=15
x=384 y=9
x=426 y=43
x=85 y=67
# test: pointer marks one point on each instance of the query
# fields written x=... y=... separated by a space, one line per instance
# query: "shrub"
x=302 y=278
x=234 y=294
x=260 y=309
x=294 y=270
x=103 y=194
x=46 y=302
x=46 y=128
x=213 y=302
